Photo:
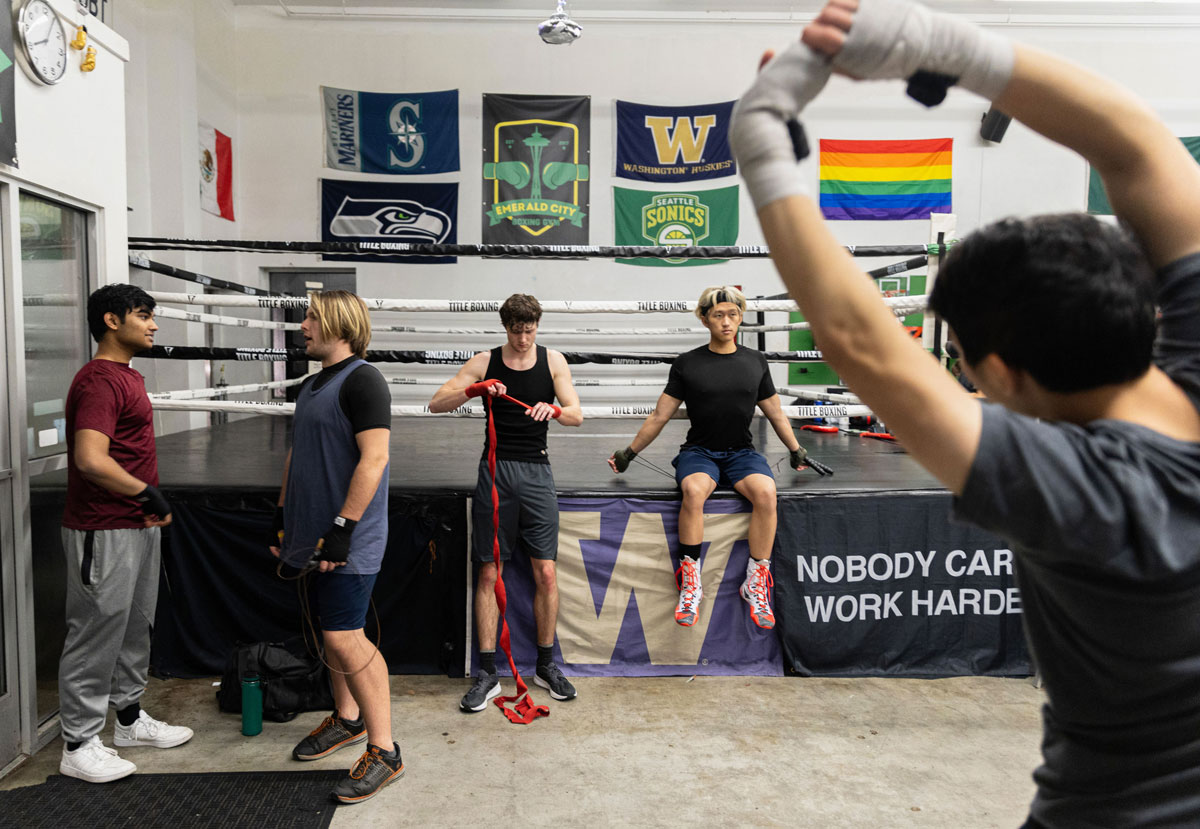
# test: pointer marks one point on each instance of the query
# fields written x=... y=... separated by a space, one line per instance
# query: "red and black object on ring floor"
x=524 y=711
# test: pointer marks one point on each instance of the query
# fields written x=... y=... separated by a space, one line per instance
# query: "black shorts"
x=528 y=511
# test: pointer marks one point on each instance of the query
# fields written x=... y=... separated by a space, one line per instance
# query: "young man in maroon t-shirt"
x=111 y=538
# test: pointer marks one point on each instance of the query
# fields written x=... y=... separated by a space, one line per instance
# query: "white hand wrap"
x=898 y=38
x=759 y=135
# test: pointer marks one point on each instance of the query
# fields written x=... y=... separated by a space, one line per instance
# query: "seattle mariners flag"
x=661 y=143
x=385 y=211
x=402 y=133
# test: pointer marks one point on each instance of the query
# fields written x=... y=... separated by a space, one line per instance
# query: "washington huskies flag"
x=400 y=133
x=885 y=179
x=661 y=143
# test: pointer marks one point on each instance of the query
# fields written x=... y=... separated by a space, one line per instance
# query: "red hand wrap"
x=479 y=389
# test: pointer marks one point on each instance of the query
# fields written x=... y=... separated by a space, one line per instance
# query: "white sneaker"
x=687 y=579
x=147 y=731
x=94 y=762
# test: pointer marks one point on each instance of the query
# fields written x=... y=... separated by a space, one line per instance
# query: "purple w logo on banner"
x=617 y=594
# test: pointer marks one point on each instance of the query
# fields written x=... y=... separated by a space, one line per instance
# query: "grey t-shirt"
x=1105 y=519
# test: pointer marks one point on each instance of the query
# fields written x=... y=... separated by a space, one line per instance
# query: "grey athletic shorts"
x=528 y=511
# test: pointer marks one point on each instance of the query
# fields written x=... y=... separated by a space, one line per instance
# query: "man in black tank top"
x=536 y=376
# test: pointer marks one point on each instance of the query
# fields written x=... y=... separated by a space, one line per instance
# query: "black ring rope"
x=385 y=248
x=191 y=276
x=457 y=357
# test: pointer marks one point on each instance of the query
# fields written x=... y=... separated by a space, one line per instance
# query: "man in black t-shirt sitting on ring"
x=721 y=382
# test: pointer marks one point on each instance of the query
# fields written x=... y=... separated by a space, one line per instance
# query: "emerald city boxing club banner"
x=372 y=211
x=402 y=133
x=671 y=143
x=536 y=152
x=675 y=219
x=617 y=594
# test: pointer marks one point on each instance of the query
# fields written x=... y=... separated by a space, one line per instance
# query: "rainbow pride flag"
x=885 y=179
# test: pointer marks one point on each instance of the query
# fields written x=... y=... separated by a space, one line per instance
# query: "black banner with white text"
x=891 y=585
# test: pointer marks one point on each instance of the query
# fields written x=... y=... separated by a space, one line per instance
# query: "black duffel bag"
x=292 y=681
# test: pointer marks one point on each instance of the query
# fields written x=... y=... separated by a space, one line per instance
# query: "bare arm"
x=773 y=410
x=564 y=390
x=96 y=465
x=453 y=394
x=1151 y=180
x=652 y=425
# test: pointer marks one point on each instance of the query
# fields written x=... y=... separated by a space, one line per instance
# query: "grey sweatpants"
x=112 y=590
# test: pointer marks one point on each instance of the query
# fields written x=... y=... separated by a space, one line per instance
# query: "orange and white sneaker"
x=687 y=579
x=756 y=590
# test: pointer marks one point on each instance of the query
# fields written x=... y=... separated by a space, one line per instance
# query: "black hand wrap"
x=153 y=503
x=799 y=458
x=335 y=546
x=929 y=88
x=624 y=457
x=276 y=539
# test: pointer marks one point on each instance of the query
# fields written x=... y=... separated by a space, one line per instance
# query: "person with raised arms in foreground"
x=1088 y=459
x=721 y=382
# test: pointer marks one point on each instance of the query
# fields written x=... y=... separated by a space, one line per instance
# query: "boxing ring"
x=871 y=576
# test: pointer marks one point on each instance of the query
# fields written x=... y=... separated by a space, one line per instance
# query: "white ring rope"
x=552 y=306
x=202 y=394
x=543 y=332
x=812 y=394
x=575 y=380
x=213 y=319
x=589 y=412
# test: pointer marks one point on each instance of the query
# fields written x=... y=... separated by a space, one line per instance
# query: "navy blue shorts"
x=340 y=600
x=528 y=511
x=726 y=467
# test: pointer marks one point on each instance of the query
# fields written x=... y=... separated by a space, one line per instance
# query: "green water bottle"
x=252 y=705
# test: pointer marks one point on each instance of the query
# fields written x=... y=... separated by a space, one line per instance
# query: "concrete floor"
x=651 y=752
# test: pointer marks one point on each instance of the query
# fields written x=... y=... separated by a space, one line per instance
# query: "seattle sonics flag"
x=536 y=166
x=402 y=133
x=676 y=218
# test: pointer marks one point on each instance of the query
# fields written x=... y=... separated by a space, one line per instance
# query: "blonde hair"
x=717 y=294
x=342 y=316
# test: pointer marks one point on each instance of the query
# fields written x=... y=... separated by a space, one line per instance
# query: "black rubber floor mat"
x=247 y=800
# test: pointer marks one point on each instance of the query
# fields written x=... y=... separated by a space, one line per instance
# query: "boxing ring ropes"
x=831 y=405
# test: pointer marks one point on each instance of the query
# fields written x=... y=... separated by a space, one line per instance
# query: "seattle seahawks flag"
x=371 y=211
x=403 y=133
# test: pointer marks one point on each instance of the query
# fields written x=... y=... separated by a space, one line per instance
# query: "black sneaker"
x=328 y=737
x=552 y=679
x=486 y=687
x=374 y=770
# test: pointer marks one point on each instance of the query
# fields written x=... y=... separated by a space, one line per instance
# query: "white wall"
x=254 y=73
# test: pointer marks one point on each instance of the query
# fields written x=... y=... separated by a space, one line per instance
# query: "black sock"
x=545 y=655
x=129 y=715
x=692 y=551
x=73 y=746
x=392 y=753
x=357 y=723
x=487 y=661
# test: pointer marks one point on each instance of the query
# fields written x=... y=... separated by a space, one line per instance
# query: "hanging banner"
x=373 y=211
x=1097 y=198
x=8 y=112
x=617 y=594
x=891 y=585
x=886 y=180
x=400 y=133
x=665 y=143
x=536 y=151
x=216 y=172
x=675 y=219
